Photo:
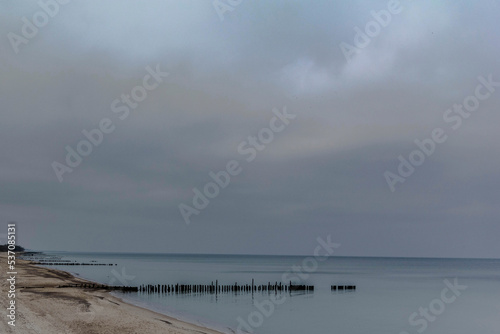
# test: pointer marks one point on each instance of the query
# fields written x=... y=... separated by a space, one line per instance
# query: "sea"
x=392 y=295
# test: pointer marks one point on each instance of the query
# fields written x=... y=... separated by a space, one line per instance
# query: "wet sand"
x=43 y=308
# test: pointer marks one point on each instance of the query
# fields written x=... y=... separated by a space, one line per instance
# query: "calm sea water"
x=394 y=295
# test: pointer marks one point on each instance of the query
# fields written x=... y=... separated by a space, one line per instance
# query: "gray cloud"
x=322 y=175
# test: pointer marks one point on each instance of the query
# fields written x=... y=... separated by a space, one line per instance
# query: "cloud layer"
x=322 y=175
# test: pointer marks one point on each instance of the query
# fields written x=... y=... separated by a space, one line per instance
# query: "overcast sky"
x=323 y=174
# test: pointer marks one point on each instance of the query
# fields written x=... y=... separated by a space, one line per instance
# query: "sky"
x=312 y=111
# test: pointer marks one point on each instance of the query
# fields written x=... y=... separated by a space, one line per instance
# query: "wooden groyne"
x=100 y=287
x=73 y=264
x=208 y=289
x=217 y=288
x=343 y=287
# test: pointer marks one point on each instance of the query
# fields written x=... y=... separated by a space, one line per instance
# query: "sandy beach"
x=43 y=308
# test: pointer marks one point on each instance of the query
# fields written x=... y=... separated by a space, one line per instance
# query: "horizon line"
x=289 y=255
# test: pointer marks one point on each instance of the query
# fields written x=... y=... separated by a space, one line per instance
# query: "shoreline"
x=182 y=318
x=42 y=307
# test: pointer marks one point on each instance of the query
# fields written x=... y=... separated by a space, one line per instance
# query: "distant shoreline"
x=268 y=255
x=45 y=308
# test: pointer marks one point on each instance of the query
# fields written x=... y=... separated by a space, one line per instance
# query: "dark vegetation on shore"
x=4 y=248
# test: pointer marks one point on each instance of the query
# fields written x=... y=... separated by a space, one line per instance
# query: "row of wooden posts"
x=343 y=287
x=74 y=264
x=100 y=286
x=217 y=288
x=212 y=288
